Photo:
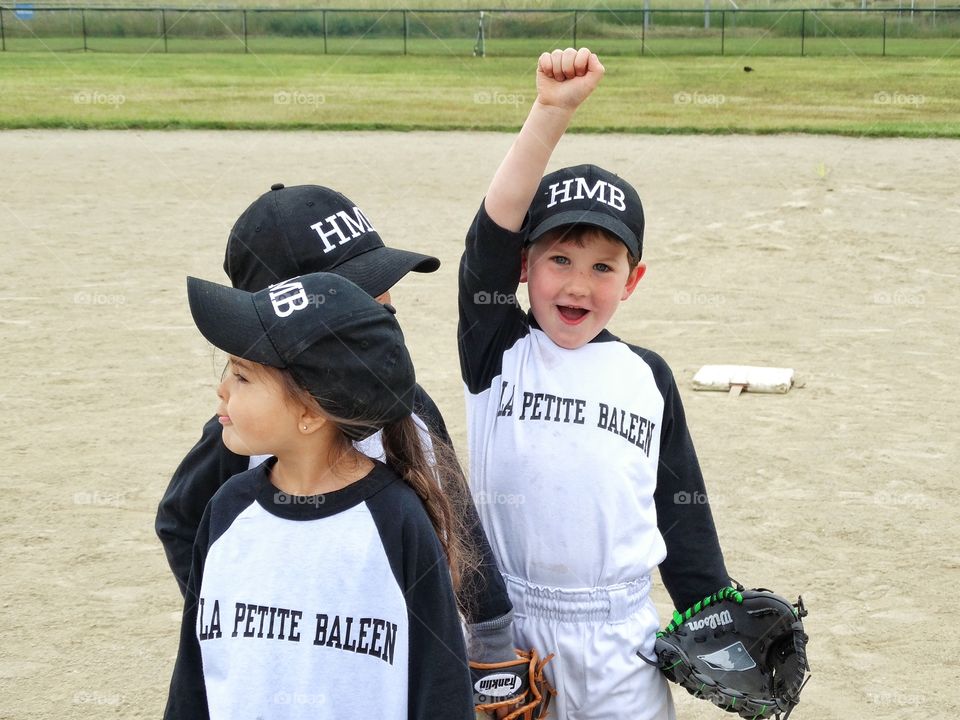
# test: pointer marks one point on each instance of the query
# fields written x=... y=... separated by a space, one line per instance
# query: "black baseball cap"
x=340 y=344
x=293 y=231
x=588 y=195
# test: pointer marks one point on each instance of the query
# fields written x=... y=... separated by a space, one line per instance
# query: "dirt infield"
x=832 y=256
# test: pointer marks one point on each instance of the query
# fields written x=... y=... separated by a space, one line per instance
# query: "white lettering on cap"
x=605 y=192
x=617 y=198
x=554 y=194
x=287 y=297
x=337 y=223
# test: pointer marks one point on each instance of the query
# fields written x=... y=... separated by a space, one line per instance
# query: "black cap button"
x=277 y=186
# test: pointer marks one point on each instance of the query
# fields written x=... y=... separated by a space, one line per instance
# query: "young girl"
x=323 y=581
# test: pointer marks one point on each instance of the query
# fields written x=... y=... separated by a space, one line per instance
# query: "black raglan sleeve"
x=483 y=597
x=426 y=409
x=694 y=566
x=187 y=699
x=490 y=317
x=200 y=474
x=439 y=679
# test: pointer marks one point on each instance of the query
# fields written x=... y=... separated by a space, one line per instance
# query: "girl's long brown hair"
x=440 y=484
x=435 y=476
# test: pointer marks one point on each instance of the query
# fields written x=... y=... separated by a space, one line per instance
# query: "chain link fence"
x=865 y=31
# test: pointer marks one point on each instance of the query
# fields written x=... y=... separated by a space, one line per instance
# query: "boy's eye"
x=239 y=377
x=560 y=260
x=602 y=267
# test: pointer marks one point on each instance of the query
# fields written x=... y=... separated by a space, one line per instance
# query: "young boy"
x=285 y=233
x=586 y=431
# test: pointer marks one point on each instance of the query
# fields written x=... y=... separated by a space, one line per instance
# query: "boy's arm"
x=694 y=566
x=187 y=699
x=565 y=78
x=490 y=269
x=200 y=474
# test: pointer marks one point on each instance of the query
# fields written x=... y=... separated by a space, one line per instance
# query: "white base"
x=747 y=378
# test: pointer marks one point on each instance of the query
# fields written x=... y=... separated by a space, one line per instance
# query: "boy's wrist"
x=560 y=112
x=547 y=123
x=491 y=641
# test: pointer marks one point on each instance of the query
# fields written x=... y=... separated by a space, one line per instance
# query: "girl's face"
x=257 y=416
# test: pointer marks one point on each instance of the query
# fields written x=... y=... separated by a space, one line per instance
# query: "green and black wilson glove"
x=743 y=650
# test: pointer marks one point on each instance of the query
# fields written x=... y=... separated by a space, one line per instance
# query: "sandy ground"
x=837 y=257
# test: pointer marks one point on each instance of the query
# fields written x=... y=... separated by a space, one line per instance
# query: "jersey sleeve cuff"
x=491 y=641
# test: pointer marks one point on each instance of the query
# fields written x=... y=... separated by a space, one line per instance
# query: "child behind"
x=587 y=430
x=297 y=230
x=321 y=581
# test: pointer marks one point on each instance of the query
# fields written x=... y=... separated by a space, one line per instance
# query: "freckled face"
x=575 y=288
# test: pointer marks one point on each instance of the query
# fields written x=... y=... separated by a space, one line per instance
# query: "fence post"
x=323 y=17
x=576 y=14
x=480 y=46
x=163 y=22
x=643 y=32
x=3 y=34
x=83 y=27
x=404 y=32
x=723 y=29
x=803 y=23
x=245 y=48
x=884 y=52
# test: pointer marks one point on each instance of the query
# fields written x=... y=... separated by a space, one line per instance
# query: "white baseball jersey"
x=327 y=606
x=581 y=464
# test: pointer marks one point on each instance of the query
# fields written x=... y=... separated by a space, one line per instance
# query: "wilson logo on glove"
x=711 y=621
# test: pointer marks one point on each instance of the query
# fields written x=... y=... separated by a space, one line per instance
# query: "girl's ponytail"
x=436 y=478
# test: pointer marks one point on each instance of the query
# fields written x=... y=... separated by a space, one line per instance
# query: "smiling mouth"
x=572 y=314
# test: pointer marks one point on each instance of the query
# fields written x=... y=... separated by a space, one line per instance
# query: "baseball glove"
x=743 y=650
x=517 y=684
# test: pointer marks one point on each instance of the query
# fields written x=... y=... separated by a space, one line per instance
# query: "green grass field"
x=853 y=95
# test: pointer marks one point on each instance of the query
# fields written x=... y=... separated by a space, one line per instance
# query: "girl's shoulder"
x=244 y=485
x=397 y=506
x=394 y=493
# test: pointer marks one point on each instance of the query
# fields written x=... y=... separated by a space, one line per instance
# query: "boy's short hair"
x=302 y=229
x=588 y=195
x=580 y=234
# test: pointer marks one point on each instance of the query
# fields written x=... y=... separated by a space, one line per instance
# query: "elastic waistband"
x=611 y=603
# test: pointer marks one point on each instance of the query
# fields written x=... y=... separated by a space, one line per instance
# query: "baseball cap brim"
x=379 y=269
x=229 y=320
x=587 y=217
